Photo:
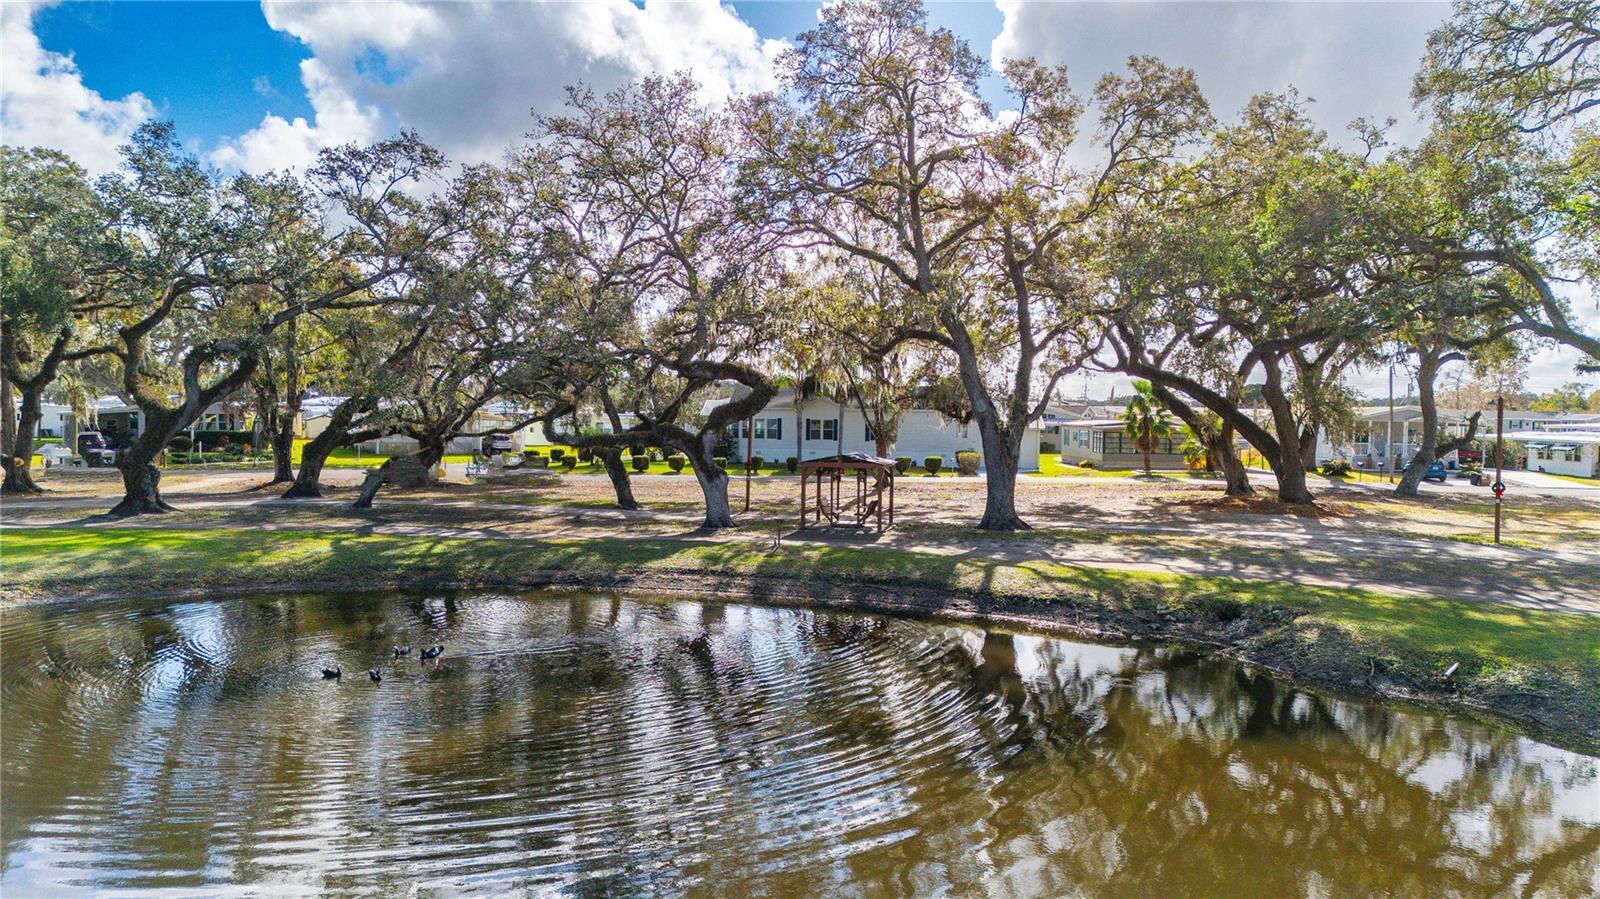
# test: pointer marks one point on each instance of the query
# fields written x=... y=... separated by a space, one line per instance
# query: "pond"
x=595 y=744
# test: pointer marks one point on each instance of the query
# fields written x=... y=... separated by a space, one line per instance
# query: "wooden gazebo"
x=873 y=505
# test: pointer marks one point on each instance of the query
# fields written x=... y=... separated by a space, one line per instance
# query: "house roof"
x=1570 y=439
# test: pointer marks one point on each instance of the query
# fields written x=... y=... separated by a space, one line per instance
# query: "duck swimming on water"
x=331 y=673
x=402 y=651
x=433 y=652
x=375 y=674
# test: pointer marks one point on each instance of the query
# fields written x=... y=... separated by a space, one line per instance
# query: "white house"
x=1376 y=433
x=1558 y=443
x=819 y=427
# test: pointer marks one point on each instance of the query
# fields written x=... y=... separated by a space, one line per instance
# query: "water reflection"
x=599 y=745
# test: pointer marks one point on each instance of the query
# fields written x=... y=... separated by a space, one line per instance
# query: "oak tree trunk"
x=141 y=488
x=1220 y=448
x=283 y=451
x=618 y=473
x=18 y=453
x=712 y=479
x=1411 y=479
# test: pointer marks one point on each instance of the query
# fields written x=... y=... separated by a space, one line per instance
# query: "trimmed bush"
x=586 y=455
x=755 y=463
x=181 y=443
x=932 y=464
x=968 y=461
x=792 y=463
x=722 y=462
x=556 y=453
x=569 y=462
x=532 y=453
x=676 y=462
x=1336 y=468
x=902 y=464
x=641 y=462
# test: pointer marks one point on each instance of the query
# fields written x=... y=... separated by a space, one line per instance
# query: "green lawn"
x=1498 y=647
x=1051 y=466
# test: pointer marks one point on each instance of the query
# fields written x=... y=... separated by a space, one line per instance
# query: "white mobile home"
x=818 y=426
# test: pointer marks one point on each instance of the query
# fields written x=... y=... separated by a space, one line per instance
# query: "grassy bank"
x=1538 y=667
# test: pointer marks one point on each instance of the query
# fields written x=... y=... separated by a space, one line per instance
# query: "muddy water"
x=597 y=745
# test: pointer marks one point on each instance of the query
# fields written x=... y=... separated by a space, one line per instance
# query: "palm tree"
x=1145 y=421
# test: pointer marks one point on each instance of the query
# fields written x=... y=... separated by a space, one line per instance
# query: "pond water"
x=599 y=745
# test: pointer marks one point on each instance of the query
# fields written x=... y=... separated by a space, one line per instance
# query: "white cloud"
x=1353 y=59
x=44 y=102
x=279 y=143
x=466 y=75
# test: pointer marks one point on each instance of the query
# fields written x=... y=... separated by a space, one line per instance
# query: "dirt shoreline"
x=1270 y=641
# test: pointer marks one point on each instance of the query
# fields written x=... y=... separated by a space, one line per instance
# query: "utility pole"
x=749 y=456
x=1389 y=459
x=1499 y=459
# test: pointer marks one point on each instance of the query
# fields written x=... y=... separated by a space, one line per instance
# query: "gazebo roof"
x=850 y=460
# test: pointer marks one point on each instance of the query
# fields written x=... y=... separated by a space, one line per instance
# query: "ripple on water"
x=599 y=744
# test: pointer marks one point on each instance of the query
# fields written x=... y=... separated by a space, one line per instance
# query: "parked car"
x=1436 y=472
x=502 y=443
x=95 y=449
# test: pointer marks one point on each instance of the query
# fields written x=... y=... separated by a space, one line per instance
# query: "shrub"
x=1336 y=468
x=968 y=461
x=792 y=463
x=902 y=464
x=755 y=463
x=722 y=462
x=556 y=453
x=932 y=464
x=676 y=462
x=641 y=462
x=214 y=439
x=532 y=453
x=586 y=455
x=1086 y=463
x=1046 y=446
x=180 y=443
x=569 y=462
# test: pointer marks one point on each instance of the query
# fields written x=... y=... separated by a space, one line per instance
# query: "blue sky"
x=213 y=68
x=258 y=87
x=216 y=68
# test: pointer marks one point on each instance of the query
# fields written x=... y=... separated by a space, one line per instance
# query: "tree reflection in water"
x=603 y=745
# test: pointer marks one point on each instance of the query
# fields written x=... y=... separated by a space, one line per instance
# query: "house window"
x=822 y=429
x=766 y=429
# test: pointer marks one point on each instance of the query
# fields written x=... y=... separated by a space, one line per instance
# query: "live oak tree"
x=889 y=153
x=1514 y=87
x=53 y=244
x=649 y=205
x=848 y=323
x=1286 y=274
x=212 y=267
x=1525 y=65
